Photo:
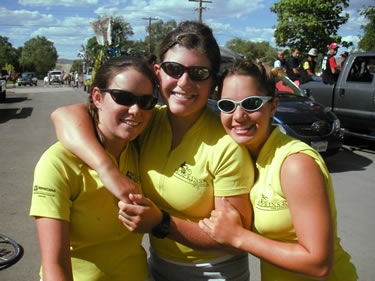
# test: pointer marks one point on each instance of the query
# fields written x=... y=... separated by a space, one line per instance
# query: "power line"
x=149 y=32
x=200 y=7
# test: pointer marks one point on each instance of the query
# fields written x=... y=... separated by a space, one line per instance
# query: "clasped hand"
x=223 y=224
x=140 y=215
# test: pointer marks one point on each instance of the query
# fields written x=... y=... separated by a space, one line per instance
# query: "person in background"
x=344 y=56
x=329 y=66
x=280 y=60
x=294 y=231
x=80 y=236
x=76 y=79
x=187 y=161
x=307 y=68
x=292 y=65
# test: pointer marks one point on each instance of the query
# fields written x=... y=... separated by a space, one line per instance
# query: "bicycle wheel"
x=10 y=252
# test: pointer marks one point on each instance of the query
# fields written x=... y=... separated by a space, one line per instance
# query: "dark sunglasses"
x=176 y=70
x=145 y=102
x=249 y=104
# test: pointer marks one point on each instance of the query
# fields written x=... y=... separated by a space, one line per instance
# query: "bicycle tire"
x=10 y=252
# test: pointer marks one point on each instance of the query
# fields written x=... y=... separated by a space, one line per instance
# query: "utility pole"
x=200 y=7
x=149 y=32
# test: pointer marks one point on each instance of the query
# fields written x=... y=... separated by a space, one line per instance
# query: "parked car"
x=27 y=78
x=352 y=96
x=3 y=89
x=55 y=76
x=302 y=118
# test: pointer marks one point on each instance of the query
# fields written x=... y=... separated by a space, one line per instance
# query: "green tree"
x=8 y=54
x=76 y=66
x=309 y=24
x=121 y=31
x=261 y=51
x=91 y=49
x=39 y=55
x=367 y=41
x=93 y=54
x=158 y=32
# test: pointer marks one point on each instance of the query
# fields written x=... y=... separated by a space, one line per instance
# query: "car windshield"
x=55 y=73
x=286 y=87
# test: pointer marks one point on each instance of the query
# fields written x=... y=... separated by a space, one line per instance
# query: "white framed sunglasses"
x=248 y=104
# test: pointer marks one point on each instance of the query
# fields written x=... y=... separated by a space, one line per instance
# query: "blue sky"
x=67 y=22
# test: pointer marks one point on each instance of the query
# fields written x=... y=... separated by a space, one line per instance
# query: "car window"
x=362 y=70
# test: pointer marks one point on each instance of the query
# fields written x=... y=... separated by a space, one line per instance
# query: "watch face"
x=162 y=229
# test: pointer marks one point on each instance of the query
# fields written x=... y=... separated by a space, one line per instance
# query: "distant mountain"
x=64 y=61
x=64 y=64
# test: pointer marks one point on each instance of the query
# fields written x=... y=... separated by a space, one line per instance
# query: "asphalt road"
x=26 y=131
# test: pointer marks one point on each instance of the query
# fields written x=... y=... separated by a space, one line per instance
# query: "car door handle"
x=342 y=92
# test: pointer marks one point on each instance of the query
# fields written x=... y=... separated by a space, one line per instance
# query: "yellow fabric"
x=184 y=181
x=102 y=248
x=306 y=65
x=272 y=218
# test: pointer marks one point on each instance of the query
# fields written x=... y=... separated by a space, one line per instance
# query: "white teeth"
x=131 y=123
x=179 y=95
x=242 y=127
x=239 y=128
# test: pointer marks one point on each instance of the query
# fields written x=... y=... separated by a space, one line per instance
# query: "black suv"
x=27 y=78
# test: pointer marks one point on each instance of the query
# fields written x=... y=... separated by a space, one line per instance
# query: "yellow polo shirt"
x=272 y=217
x=184 y=181
x=102 y=248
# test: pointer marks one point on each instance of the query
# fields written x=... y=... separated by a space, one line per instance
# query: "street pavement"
x=26 y=131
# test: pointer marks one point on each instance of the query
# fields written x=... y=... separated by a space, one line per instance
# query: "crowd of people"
x=303 y=71
x=208 y=190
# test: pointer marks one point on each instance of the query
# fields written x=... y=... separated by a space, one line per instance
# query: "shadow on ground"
x=350 y=158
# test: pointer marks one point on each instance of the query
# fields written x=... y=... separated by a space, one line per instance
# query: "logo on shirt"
x=185 y=174
x=44 y=191
x=265 y=204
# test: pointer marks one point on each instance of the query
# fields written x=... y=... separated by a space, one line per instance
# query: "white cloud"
x=67 y=22
x=49 y=3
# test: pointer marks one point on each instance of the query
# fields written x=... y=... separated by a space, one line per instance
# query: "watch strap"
x=162 y=229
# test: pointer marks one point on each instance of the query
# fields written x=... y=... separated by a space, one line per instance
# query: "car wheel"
x=2 y=96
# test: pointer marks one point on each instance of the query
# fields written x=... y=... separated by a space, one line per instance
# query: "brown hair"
x=108 y=70
x=193 y=35
x=257 y=70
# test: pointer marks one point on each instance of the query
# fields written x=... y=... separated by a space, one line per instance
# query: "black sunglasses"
x=249 y=104
x=145 y=102
x=176 y=70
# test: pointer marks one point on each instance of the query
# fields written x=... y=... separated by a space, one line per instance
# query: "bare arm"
x=190 y=234
x=295 y=70
x=54 y=248
x=144 y=215
x=75 y=131
x=310 y=73
x=308 y=201
x=333 y=66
